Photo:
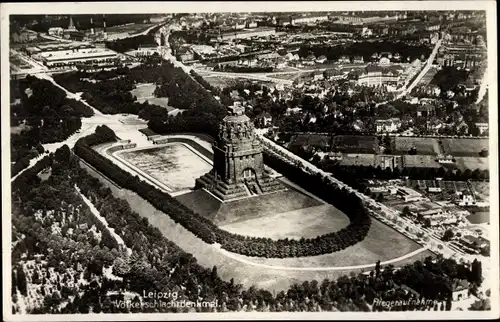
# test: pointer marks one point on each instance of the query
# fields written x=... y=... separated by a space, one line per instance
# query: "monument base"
x=238 y=190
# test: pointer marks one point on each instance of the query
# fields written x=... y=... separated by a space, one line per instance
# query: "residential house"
x=333 y=74
x=321 y=59
x=265 y=119
x=408 y=194
x=448 y=159
x=483 y=127
x=388 y=125
x=467 y=200
x=358 y=60
x=475 y=243
x=460 y=290
x=280 y=63
x=309 y=60
x=55 y=31
x=344 y=60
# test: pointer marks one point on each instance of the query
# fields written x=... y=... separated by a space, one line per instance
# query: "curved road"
x=331 y=268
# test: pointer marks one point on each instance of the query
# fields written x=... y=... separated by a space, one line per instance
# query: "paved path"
x=424 y=70
x=241 y=259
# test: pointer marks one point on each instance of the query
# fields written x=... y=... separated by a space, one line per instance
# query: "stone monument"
x=238 y=167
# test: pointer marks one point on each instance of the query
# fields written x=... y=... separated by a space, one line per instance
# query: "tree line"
x=367 y=49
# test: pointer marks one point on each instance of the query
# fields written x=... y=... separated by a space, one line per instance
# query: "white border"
x=186 y=7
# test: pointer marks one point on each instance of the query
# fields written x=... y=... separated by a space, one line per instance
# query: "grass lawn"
x=262 y=206
x=288 y=76
x=355 y=143
x=427 y=161
x=133 y=28
x=307 y=222
x=472 y=163
x=479 y=217
x=201 y=202
x=316 y=140
x=424 y=146
x=358 y=159
x=382 y=243
x=144 y=92
x=219 y=81
x=464 y=147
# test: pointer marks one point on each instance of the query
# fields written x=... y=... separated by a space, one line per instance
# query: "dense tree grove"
x=45 y=114
x=367 y=49
x=78 y=256
x=250 y=246
x=415 y=173
x=131 y=43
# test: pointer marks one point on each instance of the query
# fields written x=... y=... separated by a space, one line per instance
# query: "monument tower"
x=238 y=168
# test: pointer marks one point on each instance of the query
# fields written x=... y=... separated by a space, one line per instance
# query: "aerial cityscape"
x=250 y=162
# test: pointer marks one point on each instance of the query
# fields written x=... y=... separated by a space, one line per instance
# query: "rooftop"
x=69 y=54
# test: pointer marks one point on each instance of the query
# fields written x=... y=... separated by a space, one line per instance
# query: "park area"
x=355 y=143
x=219 y=81
x=472 y=163
x=424 y=161
x=314 y=140
x=145 y=92
x=382 y=243
x=307 y=222
x=131 y=28
x=174 y=165
x=424 y=146
x=464 y=147
x=479 y=217
x=358 y=159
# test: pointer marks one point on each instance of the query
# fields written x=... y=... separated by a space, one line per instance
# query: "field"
x=427 y=161
x=382 y=243
x=132 y=28
x=175 y=165
x=219 y=81
x=144 y=92
x=358 y=159
x=472 y=163
x=355 y=143
x=19 y=63
x=424 y=146
x=274 y=279
x=288 y=76
x=464 y=147
x=481 y=189
x=246 y=209
x=306 y=222
x=479 y=217
x=315 y=140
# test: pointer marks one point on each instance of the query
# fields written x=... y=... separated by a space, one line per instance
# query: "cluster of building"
x=61 y=55
x=391 y=75
x=245 y=33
